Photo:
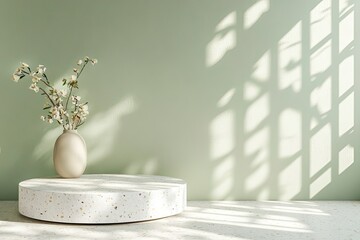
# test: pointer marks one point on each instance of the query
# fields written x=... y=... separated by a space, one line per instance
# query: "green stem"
x=47 y=80
x=61 y=124
x=81 y=123
x=77 y=76
x=47 y=84
x=47 y=96
x=76 y=102
x=86 y=62
x=67 y=100
x=53 y=105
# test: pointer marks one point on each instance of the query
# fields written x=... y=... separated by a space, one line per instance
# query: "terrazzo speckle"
x=102 y=198
x=218 y=220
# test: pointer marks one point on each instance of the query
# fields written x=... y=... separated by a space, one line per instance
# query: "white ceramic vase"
x=70 y=155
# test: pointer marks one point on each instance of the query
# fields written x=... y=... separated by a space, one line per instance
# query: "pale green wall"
x=179 y=91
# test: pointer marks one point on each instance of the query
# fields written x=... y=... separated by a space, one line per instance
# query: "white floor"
x=206 y=220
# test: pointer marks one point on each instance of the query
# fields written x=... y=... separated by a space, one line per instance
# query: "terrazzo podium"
x=101 y=199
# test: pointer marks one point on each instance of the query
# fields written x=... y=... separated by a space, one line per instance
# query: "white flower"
x=53 y=94
x=79 y=62
x=62 y=93
x=41 y=69
x=43 y=118
x=73 y=77
x=75 y=99
x=53 y=110
x=94 y=61
x=18 y=71
x=75 y=70
x=85 y=107
x=35 y=74
x=55 y=114
x=35 y=79
x=57 y=94
x=83 y=110
x=76 y=119
x=49 y=120
x=73 y=83
x=61 y=109
x=24 y=65
x=16 y=77
x=58 y=113
x=86 y=58
x=34 y=87
x=17 y=74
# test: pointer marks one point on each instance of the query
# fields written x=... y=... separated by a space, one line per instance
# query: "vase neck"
x=70 y=131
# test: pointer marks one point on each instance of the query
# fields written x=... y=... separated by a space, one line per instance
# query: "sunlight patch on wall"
x=346 y=31
x=227 y=22
x=346 y=158
x=346 y=75
x=132 y=168
x=254 y=13
x=320 y=149
x=257 y=177
x=150 y=166
x=223 y=41
x=102 y=130
x=290 y=59
x=226 y=98
x=224 y=168
x=289 y=133
x=320 y=60
x=320 y=20
x=257 y=112
x=290 y=180
x=346 y=114
x=222 y=143
x=345 y=6
x=320 y=183
x=261 y=70
x=320 y=97
x=256 y=150
x=251 y=90
x=147 y=166
x=313 y=123
x=223 y=179
x=263 y=195
x=43 y=151
x=222 y=135
x=257 y=147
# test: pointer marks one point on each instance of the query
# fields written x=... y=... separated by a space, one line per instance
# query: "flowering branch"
x=44 y=92
x=67 y=101
x=57 y=111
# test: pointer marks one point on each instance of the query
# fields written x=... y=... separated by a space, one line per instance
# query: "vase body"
x=70 y=154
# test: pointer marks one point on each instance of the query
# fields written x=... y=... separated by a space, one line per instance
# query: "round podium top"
x=102 y=183
x=102 y=198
